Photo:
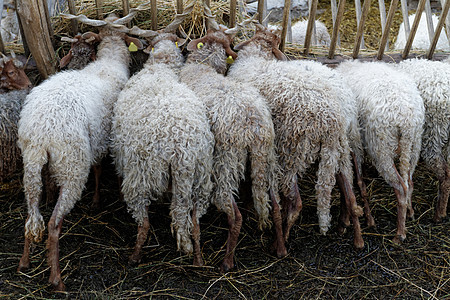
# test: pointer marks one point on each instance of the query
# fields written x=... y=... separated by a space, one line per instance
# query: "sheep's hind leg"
x=96 y=198
x=279 y=244
x=143 y=229
x=444 y=191
x=363 y=191
x=24 y=263
x=54 y=230
x=198 y=261
x=352 y=209
x=402 y=205
x=294 y=207
x=235 y=224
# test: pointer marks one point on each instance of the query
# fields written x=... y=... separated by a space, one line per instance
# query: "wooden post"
x=154 y=15
x=382 y=8
x=333 y=17
x=262 y=12
x=405 y=15
x=99 y=7
x=73 y=11
x=2 y=46
x=358 y=20
x=310 y=26
x=385 y=36
x=360 y=31
x=284 y=23
x=429 y=17
x=233 y=5
x=340 y=14
x=439 y=26
x=125 y=7
x=447 y=22
x=180 y=6
x=35 y=28
x=414 y=27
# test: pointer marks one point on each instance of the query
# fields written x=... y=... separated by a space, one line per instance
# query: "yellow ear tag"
x=230 y=60
x=200 y=45
x=132 y=47
x=176 y=44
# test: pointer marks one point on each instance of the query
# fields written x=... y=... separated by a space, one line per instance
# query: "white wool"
x=299 y=33
x=421 y=39
x=271 y=4
x=66 y=121
x=160 y=130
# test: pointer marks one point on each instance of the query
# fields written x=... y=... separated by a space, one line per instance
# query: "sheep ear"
x=137 y=42
x=242 y=45
x=278 y=54
x=65 y=60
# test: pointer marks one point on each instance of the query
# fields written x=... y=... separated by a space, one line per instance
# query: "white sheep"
x=421 y=38
x=161 y=132
x=9 y=29
x=243 y=129
x=299 y=33
x=391 y=114
x=433 y=81
x=308 y=122
x=66 y=121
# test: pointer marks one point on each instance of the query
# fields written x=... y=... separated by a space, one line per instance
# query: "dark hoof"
x=198 y=262
x=341 y=229
x=359 y=244
x=23 y=266
x=398 y=239
x=59 y=287
x=371 y=223
x=225 y=267
x=134 y=261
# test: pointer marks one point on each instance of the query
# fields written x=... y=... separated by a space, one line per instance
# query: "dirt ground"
x=95 y=245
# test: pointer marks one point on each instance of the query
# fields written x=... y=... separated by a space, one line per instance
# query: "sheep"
x=80 y=54
x=65 y=122
x=243 y=129
x=309 y=126
x=299 y=33
x=421 y=38
x=9 y=29
x=14 y=79
x=160 y=131
x=433 y=81
x=391 y=114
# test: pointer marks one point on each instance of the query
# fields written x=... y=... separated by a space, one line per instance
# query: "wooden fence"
x=37 y=30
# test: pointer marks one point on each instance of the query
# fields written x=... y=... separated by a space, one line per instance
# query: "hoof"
x=225 y=267
x=341 y=229
x=23 y=266
x=398 y=239
x=198 y=262
x=59 y=287
x=438 y=218
x=371 y=222
x=358 y=244
x=134 y=261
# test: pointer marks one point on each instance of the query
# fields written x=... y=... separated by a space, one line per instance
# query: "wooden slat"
x=414 y=27
x=405 y=15
x=2 y=46
x=126 y=7
x=38 y=36
x=439 y=26
x=333 y=17
x=154 y=15
x=310 y=26
x=73 y=11
x=429 y=17
x=289 y=26
x=360 y=32
x=447 y=22
x=233 y=5
x=99 y=8
x=262 y=12
x=284 y=23
x=180 y=6
x=385 y=36
x=334 y=37
x=382 y=8
x=358 y=20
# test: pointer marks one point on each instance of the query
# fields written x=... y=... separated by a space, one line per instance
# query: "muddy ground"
x=95 y=246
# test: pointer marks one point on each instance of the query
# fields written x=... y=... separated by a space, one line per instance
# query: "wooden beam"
x=233 y=5
x=405 y=15
x=382 y=9
x=360 y=31
x=447 y=22
x=180 y=6
x=414 y=27
x=2 y=46
x=34 y=15
x=73 y=11
x=154 y=14
x=310 y=26
x=262 y=12
x=340 y=14
x=385 y=36
x=440 y=24
x=99 y=9
x=333 y=17
x=429 y=17
x=358 y=20
x=284 y=23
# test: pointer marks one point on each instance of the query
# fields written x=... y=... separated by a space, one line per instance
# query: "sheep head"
x=80 y=53
x=13 y=76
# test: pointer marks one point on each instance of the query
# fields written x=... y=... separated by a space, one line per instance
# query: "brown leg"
x=402 y=206
x=233 y=234
x=54 y=230
x=279 y=244
x=96 y=199
x=363 y=191
x=352 y=209
x=444 y=191
x=135 y=258
x=410 y=212
x=344 y=218
x=119 y=182
x=198 y=261
x=294 y=206
x=24 y=263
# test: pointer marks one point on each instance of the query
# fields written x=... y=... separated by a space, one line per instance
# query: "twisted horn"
x=142 y=32
x=133 y=11
x=210 y=20
x=179 y=18
x=68 y=39
x=85 y=20
x=244 y=23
